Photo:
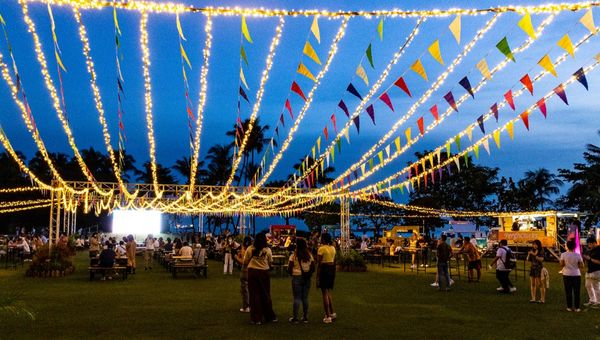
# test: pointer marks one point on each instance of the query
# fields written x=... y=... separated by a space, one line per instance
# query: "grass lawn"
x=382 y=303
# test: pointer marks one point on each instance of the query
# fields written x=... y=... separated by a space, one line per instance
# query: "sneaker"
x=451 y=282
x=422 y=265
x=333 y=316
x=304 y=320
x=102 y=279
x=435 y=284
x=275 y=320
x=578 y=310
x=256 y=323
x=513 y=289
x=293 y=320
x=245 y=310
x=426 y=266
x=569 y=310
x=326 y=319
x=499 y=289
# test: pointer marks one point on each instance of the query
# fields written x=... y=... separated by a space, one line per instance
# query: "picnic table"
x=187 y=263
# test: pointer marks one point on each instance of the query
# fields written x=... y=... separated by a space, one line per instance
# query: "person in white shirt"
x=120 y=249
x=186 y=251
x=149 y=252
x=571 y=264
x=502 y=273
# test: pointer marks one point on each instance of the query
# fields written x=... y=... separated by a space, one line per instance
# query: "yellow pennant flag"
x=380 y=29
x=482 y=66
x=455 y=28
x=497 y=138
x=476 y=150
x=114 y=18
x=314 y=28
x=510 y=128
x=184 y=55
x=470 y=133
x=397 y=142
x=407 y=134
x=434 y=50
x=526 y=26
x=597 y=57
x=363 y=168
x=360 y=71
x=243 y=78
x=179 y=27
x=319 y=144
x=303 y=70
x=245 y=31
x=546 y=64
x=417 y=67
x=566 y=44
x=314 y=152
x=380 y=155
x=587 y=20
x=310 y=52
x=60 y=63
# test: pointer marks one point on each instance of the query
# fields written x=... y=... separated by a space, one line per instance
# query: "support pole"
x=345 y=224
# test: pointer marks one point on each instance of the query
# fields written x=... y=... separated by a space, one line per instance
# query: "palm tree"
x=184 y=167
x=219 y=166
x=163 y=174
x=543 y=184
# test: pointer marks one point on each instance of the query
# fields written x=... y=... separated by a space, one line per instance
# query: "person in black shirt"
x=107 y=259
x=444 y=253
x=592 y=277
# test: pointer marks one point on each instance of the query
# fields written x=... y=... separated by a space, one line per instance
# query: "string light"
x=22 y=203
x=12 y=210
x=20 y=190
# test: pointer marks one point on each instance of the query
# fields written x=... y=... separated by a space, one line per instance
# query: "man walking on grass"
x=503 y=273
x=444 y=253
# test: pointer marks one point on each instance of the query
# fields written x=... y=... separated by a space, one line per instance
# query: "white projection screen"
x=139 y=222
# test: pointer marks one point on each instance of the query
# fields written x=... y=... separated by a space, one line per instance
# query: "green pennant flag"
x=243 y=54
x=466 y=155
x=339 y=145
x=401 y=190
x=370 y=56
x=457 y=141
x=505 y=49
x=370 y=164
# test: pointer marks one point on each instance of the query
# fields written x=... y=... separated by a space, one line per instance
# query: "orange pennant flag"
x=418 y=68
x=546 y=64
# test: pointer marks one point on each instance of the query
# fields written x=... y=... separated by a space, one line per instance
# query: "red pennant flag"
x=420 y=123
x=541 y=104
x=526 y=81
x=560 y=91
x=326 y=133
x=494 y=109
x=288 y=106
x=371 y=113
x=509 y=99
x=450 y=99
x=281 y=120
x=402 y=84
x=525 y=119
x=434 y=112
x=296 y=88
x=386 y=99
x=343 y=106
x=333 y=121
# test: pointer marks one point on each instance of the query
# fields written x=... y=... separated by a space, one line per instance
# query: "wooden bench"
x=197 y=269
x=119 y=269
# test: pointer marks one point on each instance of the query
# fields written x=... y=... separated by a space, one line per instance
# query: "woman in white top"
x=571 y=264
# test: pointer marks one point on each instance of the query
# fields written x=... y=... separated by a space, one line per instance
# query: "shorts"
x=326 y=277
x=475 y=264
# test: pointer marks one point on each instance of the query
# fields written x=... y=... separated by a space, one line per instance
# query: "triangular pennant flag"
x=450 y=99
x=319 y=144
x=371 y=164
x=303 y=70
x=417 y=67
x=243 y=94
x=296 y=89
x=560 y=92
x=184 y=55
x=525 y=118
x=420 y=124
x=245 y=31
x=448 y=149
x=526 y=25
x=480 y=123
x=580 y=76
x=494 y=109
x=360 y=72
x=486 y=145
x=402 y=85
x=369 y=54
x=326 y=133
x=467 y=86
x=356 y=121
x=314 y=152
x=466 y=157
x=243 y=55
x=386 y=99
x=353 y=90
x=310 y=52
x=243 y=78
x=438 y=154
x=509 y=99
x=380 y=155
x=526 y=81
x=59 y=61
x=587 y=20
x=547 y=64
x=510 y=128
x=434 y=112
x=178 y=26
x=388 y=148
x=476 y=150
x=343 y=106
x=114 y=19
x=503 y=47
x=496 y=136
x=277 y=131
x=455 y=28
x=288 y=106
x=347 y=135
x=566 y=44
x=363 y=168
x=457 y=163
x=380 y=29
x=457 y=142
x=482 y=66
x=282 y=120
x=314 y=28
x=541 y=104
x=434 y=50
x=371 y=113
x=397 y=143
x=407 y=134
x=334 y=123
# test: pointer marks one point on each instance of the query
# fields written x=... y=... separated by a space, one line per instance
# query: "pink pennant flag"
x=288 y=106
x=333 y=121
x=541 y=104
x=434 y=112
x=296 y=88
x=386 y=99
x=420 y=123
x=525 y=119
x=509 y=99
x=560 y=91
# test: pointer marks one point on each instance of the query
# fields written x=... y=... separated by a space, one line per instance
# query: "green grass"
x=382 y=303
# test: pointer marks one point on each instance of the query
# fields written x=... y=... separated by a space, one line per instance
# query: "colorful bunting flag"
x=587 y=20
x=397 y=143
x=510 y=128
x=434 y=112
x=369 y=54
x=494 y=109
x=526 y=81
x=326 y=133
x=482 y=66
x=356 y=121
x=334 y=123
x=496 y=136
x=282 y=120
x=360 y=72
x=560 y=92
x=457 y=142
x=245 y=30
x=288 y=106
x=417 y=67
x=504 y=48
x=402 y=85
x=243 y=78
x=347 y=135
x=371 y=113
x=303 y=70
x=486 y=145
x=467 y=86
x=526 y=25
x=525 y=118
x=450 y=99
x=343 y=106
x=476 y=150
x=296 y=89
x=380 y=156
x=448 y=149
x=243 y=55
x=469 y=132
x=434 y=50
x=353 y=90
x=388 y=149
x=380 y=29
x=184 y=55
x=319 y=144
x=420 y=123
x=566 y=44
x=310 y=52
x=243 y=94
x=546 y=64
x=541 y=104
x=480 y=123
x=407 y=134
x=455 y=28
x=386 y=99
x=580 y=76
x=314 y=28
x=509 y=99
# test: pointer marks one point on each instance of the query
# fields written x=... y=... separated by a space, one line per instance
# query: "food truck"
x=398 y=234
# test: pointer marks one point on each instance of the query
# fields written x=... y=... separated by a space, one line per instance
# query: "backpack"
x=510 y=261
